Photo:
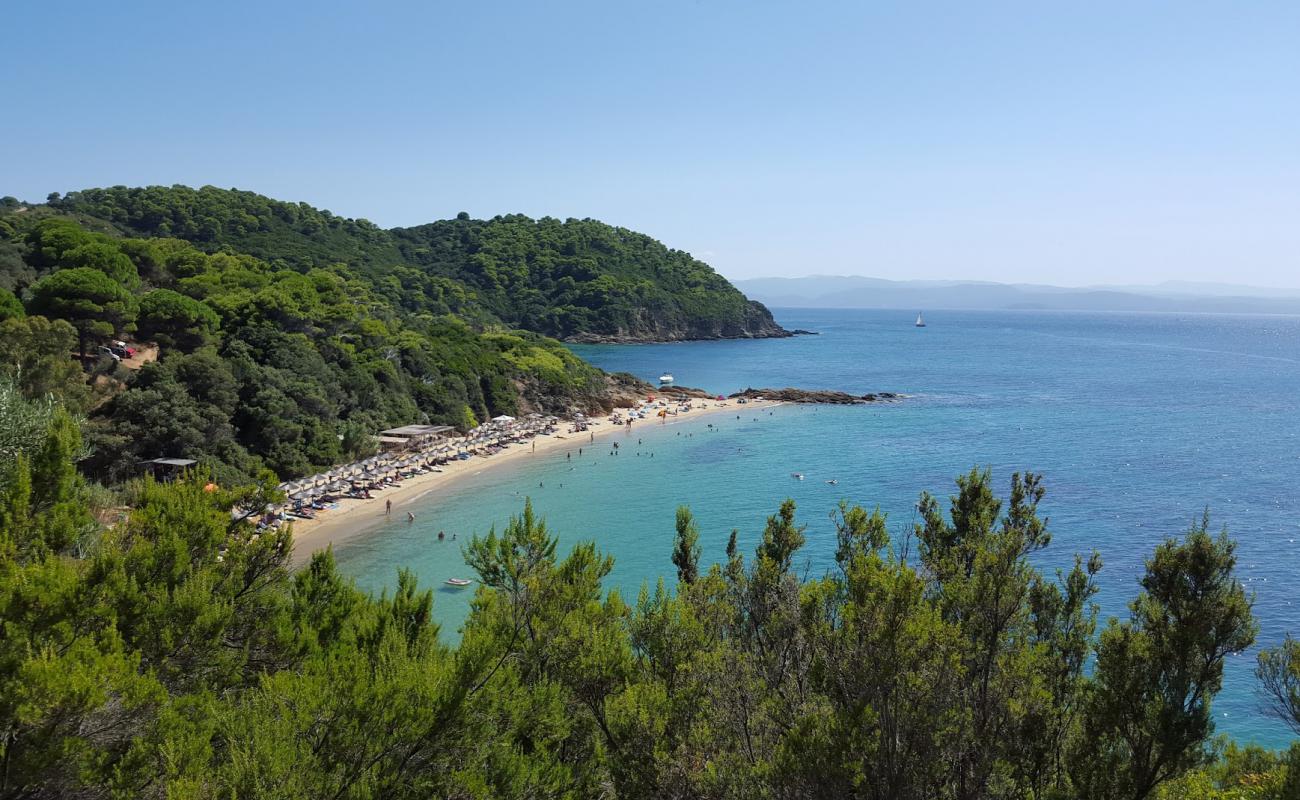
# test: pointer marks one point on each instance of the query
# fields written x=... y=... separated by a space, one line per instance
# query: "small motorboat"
x=797 y=475
x=459 y=583
x=665 y=378
x=833 y=482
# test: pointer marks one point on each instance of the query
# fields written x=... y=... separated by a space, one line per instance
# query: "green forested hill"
x=260 y=364
x=577 y=279
x=584 y=280
x=287 y=333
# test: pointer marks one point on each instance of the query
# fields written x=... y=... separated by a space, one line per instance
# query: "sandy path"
x=355 y=517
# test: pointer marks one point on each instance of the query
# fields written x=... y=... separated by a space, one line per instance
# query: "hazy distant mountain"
x=832 y=291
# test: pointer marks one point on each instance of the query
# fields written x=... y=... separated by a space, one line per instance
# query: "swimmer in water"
x=410 y=517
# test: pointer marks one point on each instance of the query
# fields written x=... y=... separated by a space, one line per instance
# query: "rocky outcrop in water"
x=792 y=395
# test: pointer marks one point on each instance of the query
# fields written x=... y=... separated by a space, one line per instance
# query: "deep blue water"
x=1138 y=422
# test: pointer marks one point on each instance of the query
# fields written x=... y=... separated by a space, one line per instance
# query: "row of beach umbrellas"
x=388 y=465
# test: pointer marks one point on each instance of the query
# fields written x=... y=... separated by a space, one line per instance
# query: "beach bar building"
x=412 y=436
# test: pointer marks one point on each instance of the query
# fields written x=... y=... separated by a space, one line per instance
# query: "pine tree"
x=686 y=553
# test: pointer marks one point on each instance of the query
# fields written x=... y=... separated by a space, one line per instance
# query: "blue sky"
x=1068 y=143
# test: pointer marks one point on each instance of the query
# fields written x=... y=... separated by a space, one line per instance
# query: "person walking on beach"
x=534 y=445
x=388 y=506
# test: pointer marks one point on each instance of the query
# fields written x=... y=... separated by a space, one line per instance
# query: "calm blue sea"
x=1138 y=421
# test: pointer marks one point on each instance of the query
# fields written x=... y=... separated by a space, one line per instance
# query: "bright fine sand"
x=354 y=517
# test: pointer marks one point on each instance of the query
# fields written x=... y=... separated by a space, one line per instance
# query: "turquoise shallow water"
x=1137 y=421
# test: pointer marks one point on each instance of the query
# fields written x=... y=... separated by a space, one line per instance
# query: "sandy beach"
x=354 y=517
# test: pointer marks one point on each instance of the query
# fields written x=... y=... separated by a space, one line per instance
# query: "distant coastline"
x=824 y=291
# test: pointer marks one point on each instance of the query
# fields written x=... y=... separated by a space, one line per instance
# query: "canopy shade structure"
x=393 y=440
x=171 y=462
x=166 y=468
x=503 y=418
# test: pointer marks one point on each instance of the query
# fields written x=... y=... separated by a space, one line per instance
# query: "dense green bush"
x=175 y=656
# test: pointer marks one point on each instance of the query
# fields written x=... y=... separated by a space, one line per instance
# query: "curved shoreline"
x=355 y=518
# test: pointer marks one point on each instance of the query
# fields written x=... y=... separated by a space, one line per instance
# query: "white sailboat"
x=920 y=322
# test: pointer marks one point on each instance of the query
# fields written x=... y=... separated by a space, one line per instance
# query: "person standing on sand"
x=388 y=506
x=534 y=445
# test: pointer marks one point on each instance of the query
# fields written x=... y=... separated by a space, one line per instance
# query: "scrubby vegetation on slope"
x=173 y=655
